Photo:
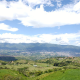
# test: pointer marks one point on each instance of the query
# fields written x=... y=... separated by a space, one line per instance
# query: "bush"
x=63 y=71
x=37 y=79
x=50 y=70
x=46 y=71
x=1 y=67
x=23 y=71
x=31 y=73
x=6 y=67
x=59 y=68
x=56 y=64
x=27 y=74
x=65 y=67
x=60 y=64
x=37 y=73
x=55 y=69
x=3 y=63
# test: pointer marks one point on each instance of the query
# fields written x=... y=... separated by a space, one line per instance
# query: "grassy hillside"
x=7 y=74
x=59 y=68
x=71 y=74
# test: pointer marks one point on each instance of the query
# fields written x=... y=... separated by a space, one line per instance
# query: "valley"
x=37 y=61
x=43 y=69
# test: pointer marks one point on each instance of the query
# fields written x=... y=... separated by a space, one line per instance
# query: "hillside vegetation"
x=70 y=74
x=58 y=68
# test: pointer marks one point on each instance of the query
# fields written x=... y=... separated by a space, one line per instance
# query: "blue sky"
x=42 y=21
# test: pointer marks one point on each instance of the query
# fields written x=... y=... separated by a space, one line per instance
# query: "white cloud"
x=75 y=1
x=59 y=3
x=77 y=43
x=32 y=3
x=38 y=17
x=42 y=38
x=77 y=7
x=7 y=27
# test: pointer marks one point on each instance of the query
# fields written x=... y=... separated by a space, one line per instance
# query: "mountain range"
x=38 y=49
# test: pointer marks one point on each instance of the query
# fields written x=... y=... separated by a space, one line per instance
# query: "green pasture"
x=8 y=72
x=27 y=70
x=40 y=66
x=71 y=74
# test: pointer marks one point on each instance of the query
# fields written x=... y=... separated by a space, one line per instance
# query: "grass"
x=71 y=74
x=40 y=77
x=40 y=66
x=13 y=73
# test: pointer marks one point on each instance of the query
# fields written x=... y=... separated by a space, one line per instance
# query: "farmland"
x=45 y=69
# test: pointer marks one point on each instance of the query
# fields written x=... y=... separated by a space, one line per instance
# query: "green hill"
x=58 y=68
x=70 y=74
x=7 y=74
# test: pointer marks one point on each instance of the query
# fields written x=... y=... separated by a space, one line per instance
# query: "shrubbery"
x=60 y=64
x=4 y=67
x=46 y=71
x=23 y=71
x=55 y=69
x=37 y=73
x=3 y=63
x=50 y=70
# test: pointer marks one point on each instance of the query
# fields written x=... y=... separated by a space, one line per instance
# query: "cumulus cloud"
x=38 y=17
x=41 y=38
x=7 y=27
x=59 y=3
x=32 y=3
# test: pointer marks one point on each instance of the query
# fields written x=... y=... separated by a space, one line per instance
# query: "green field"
x=7 y=73
x=71 y=74
x=46 y=69
x=40 y=66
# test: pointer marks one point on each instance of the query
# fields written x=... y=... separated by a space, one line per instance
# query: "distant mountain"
x=38 y=49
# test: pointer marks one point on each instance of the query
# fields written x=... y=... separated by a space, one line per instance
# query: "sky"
x=40 y=21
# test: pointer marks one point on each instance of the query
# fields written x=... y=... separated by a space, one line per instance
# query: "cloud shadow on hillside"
x=7 y=58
